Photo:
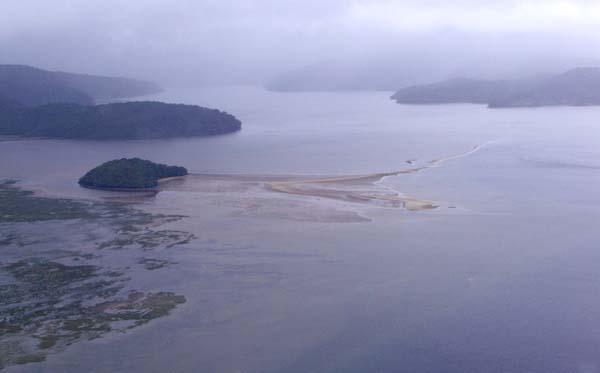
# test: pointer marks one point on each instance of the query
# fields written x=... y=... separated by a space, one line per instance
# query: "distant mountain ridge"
x=350 y=75
x=40 y=103
x=103 y=88
x=31 y=86
x=576 y=87
x=464 y=90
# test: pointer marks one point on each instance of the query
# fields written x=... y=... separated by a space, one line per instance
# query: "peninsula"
x=117 y=121
x=576 y=87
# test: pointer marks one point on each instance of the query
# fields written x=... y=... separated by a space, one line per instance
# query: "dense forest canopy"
x=129 y=173
x=128 y=120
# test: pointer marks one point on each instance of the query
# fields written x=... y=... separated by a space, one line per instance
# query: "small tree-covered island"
x=129 y=174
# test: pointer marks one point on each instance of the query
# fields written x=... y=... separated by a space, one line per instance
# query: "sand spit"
x=315 y=186
x=333 y=199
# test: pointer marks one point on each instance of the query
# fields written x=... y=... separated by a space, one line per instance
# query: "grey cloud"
x=210 y=41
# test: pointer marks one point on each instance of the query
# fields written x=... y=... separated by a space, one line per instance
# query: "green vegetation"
x=48 y=305
x=133 y=173
x=22 y=206
x=39 y=103
x=57 y=290
x=124 y=121
x=152 y=264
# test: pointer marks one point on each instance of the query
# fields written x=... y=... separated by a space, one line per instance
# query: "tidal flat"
x=501 y=277
x=66 y=271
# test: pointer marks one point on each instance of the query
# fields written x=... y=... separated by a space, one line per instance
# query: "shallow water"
x=502 y=277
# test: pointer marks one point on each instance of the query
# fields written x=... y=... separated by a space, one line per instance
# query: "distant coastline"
x=31 y=86
x=118 y=121
x=576 y=87
x=38 y=103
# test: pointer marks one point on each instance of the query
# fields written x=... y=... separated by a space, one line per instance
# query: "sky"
x=248 y=41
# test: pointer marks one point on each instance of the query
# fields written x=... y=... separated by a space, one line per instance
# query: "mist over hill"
x=31 y=86
x=40 y=103
x=576 y=87
x=464 y=90
x=392 y=65
x=105 y=88
x=335 y=75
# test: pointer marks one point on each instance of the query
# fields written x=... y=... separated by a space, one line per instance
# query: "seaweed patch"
x=57 y=287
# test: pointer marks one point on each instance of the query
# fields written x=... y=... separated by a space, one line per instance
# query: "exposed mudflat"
x=66 y=270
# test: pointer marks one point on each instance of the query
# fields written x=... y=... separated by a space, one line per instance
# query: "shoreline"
x=411 y=204
x=365 y=189
x=154 y=190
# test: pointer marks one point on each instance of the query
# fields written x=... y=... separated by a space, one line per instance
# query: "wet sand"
x=308 y=198
x=252 y=195
x=308 y=187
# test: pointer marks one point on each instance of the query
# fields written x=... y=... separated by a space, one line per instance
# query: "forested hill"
x=577 y=87
x=8 y=104
x=32 y=86
x=104 y=88
x=129 y=120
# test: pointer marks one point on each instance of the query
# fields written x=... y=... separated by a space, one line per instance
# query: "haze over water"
x=501 y=277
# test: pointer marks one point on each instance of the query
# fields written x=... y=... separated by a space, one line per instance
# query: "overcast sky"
x=175 y=41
